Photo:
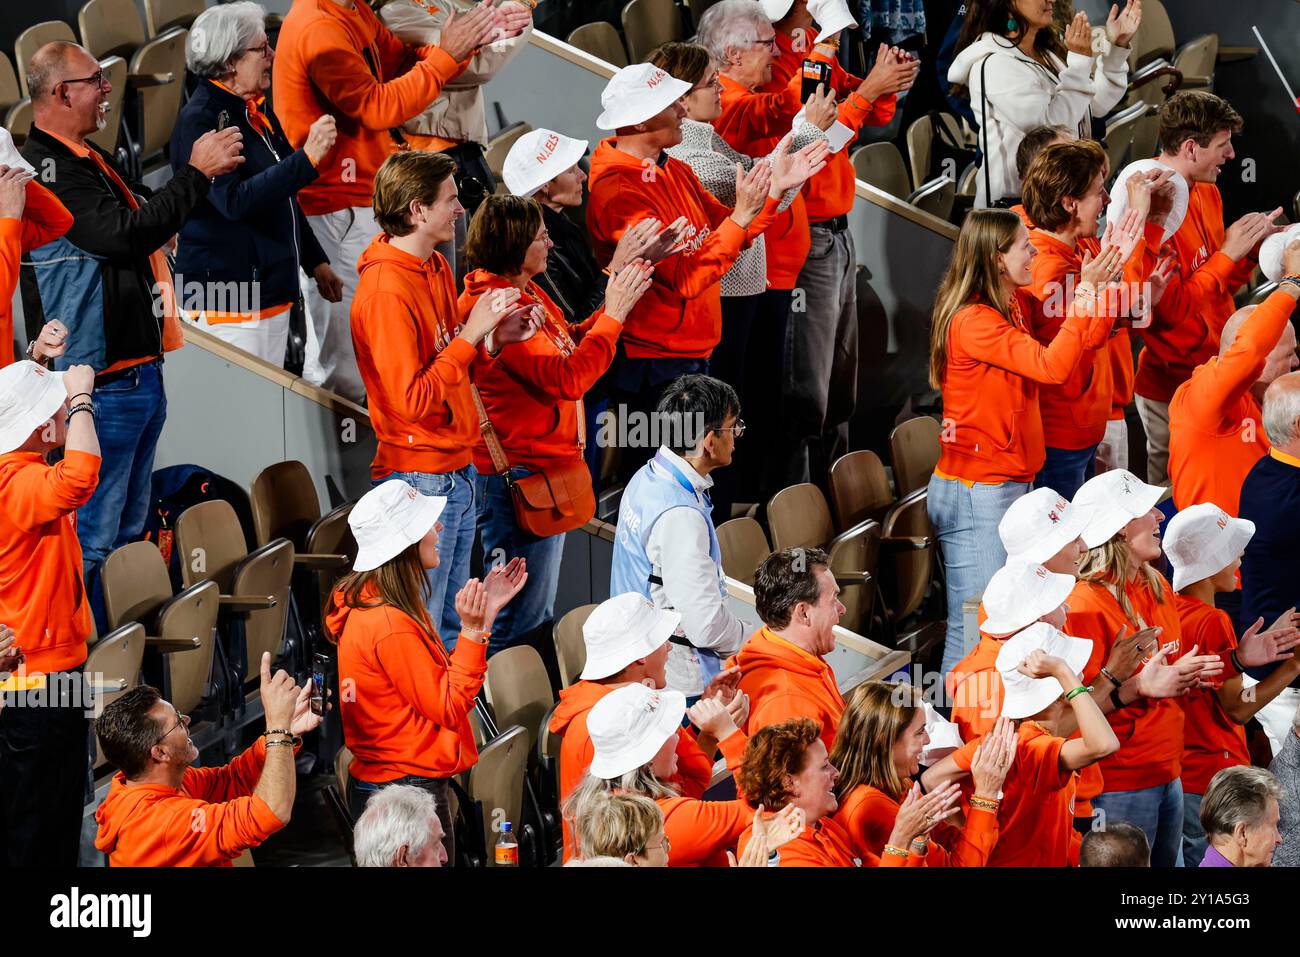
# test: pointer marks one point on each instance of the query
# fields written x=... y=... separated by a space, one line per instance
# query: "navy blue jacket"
x=1270 y=567
x=249 y=229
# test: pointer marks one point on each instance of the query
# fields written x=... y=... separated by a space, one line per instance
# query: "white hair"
x=220 y=34
x=598 y=862
x=1282 y=408
x=395 y=816
x=730 y=24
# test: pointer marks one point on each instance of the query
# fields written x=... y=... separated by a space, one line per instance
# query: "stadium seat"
x=111 y=28
x=697 y=8
x=1196 y=60
x=570 y=649
x=881 y=165
x=161 y=15
x=499 y=146
x=331 y=535
x=32 y=39
x=496 y=785
x=18 y=120
x=909 y=539
x=859 y=489
x=853 y=558
x=285 y=505
x=10 y=91
x=914 y=448
x=649 y=23
x=112 y=668
x=602 y=41
x=1120 y=129
x=518 y=689
x=744 y=545
x=936 y=197
x=920 y=144
x=799 y=517
x=157 y=73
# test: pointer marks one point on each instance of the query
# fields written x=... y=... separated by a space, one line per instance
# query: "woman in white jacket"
x=1020 y=75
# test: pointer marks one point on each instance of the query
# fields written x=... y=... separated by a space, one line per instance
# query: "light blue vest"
x=645 y=499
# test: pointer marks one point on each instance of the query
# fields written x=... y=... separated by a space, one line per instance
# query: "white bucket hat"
x=389 y=519
x=945 y=737
x=538 y=157
x=776 y=9
x=636 y=93
x=1039 y=525
x=629 y=725
x=1271 y=249
x=1022 y=696
x=1203 y=540
x=832 y=16
x=1112 y=500
x=621 y=630
x=1119 y=195
x=29 y=395
x=1020 y=593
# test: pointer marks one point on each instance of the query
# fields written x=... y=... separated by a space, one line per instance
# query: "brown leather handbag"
x=549 y=502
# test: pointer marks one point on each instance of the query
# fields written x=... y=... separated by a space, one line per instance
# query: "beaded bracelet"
x=1110 y=676
x=284 y=731
x=895 y=851
x=985 y=804
x=1082 y=689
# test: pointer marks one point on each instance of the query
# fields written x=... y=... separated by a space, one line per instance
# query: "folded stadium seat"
x=113 y=667
x=115 y=133
x=570 y=648
x=161 y=15
x=499 y=146
x=331 y=535
x=548 y=762
x=859 y=489
x=336 y=799
x=881 y=165
x=32 y=39
x=1196 y=61
x=914 y=448
x=18 y=120
x=496 y=791
x=111 y=28
x=1154 y=39
x=1120 y=130
x=602 y=41
x=920 y=143
x=853 y=561
x=744 y=545
x=180 y=628
x=649 y=23
x=254 y=596
x=908 y=538
x=10 y=91
x=697 y=8
x=157 y=74
x=798 y=517
x=936 y=197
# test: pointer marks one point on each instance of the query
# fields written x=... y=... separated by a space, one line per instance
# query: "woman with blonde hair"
x=1120 y=591
x=877 y=751
x=988 y=365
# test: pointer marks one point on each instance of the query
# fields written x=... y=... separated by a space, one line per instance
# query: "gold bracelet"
x=985 y=804
x=287 y=744
x=831 y=42
x=895 y=851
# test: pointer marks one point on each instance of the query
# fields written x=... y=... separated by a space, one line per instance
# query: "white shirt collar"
x=700 y=482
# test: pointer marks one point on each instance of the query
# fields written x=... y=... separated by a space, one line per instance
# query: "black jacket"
x=96 y=280
x=572 y=277
x=249 y=229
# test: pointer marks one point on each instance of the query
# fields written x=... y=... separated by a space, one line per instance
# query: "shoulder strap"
x=495 y=450
x=984 y=128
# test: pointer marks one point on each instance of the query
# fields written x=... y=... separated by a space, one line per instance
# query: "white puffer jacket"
x=1022 y=94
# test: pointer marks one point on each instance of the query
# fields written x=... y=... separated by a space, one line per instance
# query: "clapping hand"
x=518 y=325
x=769 y=835
x=626 y=287
x=488 y=313
x=919 y=814
x=1258 y=647
x=641 y=241
x=992 y=759
x=1078 y=35
x=13 y=191
x=893 y=72
x=713 y=718
x=1120 y=27
x=724 y=685
x=466 y=31
x=502 y=584
x=792 y=170
x=751 y=192
x=11 y=656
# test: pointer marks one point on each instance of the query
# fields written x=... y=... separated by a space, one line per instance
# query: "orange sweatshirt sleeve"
x=985 y=335
x=228 y=781
x=697 y=829
x=413 y=391
x=343 y=78
x=694 y=767
x=855 y=110
x=38 y=495
x=45 y=218
x=443 y=695
x=974 y=844
x=1183 y=294
x=1049 y=273
x=761 y=116
x=11 y=231
x=560 y=376
x=1220 y=386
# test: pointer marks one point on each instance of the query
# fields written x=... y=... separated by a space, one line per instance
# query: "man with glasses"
x=163 y=812
x=109 y=283
x=666 y=548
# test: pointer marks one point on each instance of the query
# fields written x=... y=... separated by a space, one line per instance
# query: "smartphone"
x=320 y=665
x=813 y=74
x=223 y=120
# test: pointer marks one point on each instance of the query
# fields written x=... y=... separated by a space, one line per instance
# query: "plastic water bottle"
x=507 y=850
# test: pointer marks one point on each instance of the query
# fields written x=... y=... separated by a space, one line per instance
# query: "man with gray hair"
x=1270 y=567
x=399 y=828
x=1240 y=815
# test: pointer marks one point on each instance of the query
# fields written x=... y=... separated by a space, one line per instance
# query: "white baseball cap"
x=1020 y=593
x=1203 y=540
x=636 y=93
x=1039 y=525
x=629 y=725
x=1022 y=696
x=776 y=9
x=389 y=519
x=832 y=16
x=29 y=395
x=538 y=157
x=1112 y=500
x=621 y=630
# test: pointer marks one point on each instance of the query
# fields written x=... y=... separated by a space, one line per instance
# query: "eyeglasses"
x=714 y=83
x=654 y=847
x=769 y=43
x=264 y=50
x=96 y=78
x=738 y=428
x=181 y=719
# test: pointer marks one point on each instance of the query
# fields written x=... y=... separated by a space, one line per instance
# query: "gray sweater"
x=1286 y=768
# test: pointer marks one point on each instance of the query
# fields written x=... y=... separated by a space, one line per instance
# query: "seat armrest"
x=138 y=80
x=247 y=602
x=106 y=687
x=906 y=542
x=1233 y=54
x=320 y=560
x=848 y=578
x=169 y=644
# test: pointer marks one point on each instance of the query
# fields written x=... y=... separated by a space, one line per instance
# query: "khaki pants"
x=1112 y=453
x=1155 y=421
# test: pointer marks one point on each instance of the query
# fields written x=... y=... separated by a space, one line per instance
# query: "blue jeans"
x=131 y=412
x=965 y=521
x=1157 y=810
x=1065 y=470
x=1194 y=840
x=455 y=542
x=503 y=540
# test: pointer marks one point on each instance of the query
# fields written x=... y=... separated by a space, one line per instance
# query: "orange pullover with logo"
x=783 y=682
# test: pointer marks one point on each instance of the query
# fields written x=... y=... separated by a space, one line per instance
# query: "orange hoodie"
x=826 y=844
x=44 y=220
x=701 y=832
x=344 y=62
x=994 y=432
x=1216 y=430
x=405 y=702
x=681 y=314
x=533 y=390
x=208 y=822
x=694 y=767
x=783 y=681
x=975 y=687
x=42 y=597
x=415 y=368
x=831 y=192
x=1186 y=323
x=867 y=815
